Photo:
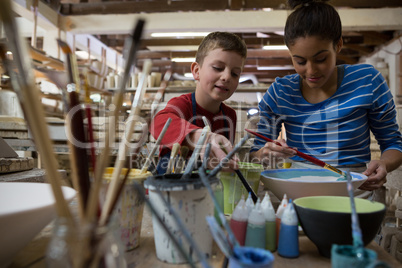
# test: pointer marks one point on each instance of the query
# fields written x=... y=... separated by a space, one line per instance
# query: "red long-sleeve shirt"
x=180 y=110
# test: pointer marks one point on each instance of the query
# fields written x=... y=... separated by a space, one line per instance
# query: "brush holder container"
x=84 y=245
x=192 y=202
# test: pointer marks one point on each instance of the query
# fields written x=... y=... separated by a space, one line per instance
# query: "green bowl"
x=326 y=220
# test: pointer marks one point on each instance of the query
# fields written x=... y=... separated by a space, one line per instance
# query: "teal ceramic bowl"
x=326 y=220
x=303 y=182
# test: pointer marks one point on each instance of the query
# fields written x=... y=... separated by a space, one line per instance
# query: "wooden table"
x=144 y=256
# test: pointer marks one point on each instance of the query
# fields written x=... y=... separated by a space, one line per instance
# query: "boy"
x=219 y=62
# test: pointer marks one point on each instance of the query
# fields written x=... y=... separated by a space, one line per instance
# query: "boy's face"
x=218 y=77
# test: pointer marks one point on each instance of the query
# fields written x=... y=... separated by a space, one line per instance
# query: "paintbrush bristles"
x=182 y=159
x=173 y=154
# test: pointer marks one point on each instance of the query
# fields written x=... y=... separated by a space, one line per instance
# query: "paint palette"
x=308 y=182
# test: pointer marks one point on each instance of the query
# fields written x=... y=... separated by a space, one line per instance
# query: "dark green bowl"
x=326 y=220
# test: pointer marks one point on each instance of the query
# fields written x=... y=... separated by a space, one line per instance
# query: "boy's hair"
x=312 y=18
x=224 y=40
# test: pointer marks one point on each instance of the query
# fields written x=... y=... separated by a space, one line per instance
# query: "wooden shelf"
x=46 y=60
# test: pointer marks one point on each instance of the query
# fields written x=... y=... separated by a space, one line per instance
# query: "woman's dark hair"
x=312 y=18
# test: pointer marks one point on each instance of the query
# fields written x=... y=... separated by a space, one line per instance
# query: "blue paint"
x=285 y=174
x=288 y=245
x=248 y=257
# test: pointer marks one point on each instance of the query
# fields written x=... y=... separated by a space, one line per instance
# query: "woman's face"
x=314 y=60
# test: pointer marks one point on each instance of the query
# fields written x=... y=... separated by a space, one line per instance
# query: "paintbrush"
x=24 y=85
x=182 y=159
x=175 y=150
x=90 y=131
x=157 y=98
x=178 y=245
x=158 y=141
x=194 y=156
x=229 y=155
x=123 y=147
x=243 y=180
x=117 y=102
x=356 y=231
x=302 y=155
x=205 y=180
x=75 y=121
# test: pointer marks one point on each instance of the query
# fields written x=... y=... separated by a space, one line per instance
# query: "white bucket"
x=191 y=201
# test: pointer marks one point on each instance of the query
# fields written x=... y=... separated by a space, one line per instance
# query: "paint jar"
x=130 y=207
x=84 y=245
x=248 y=257
x=192 y=202
x=345 y=256
x=255 y=234
x=233 y=188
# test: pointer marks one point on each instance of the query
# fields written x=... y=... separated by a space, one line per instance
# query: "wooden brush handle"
x=79 y=151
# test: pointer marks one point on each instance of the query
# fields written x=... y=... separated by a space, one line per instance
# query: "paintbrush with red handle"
x=302 y=155
x=75 y=120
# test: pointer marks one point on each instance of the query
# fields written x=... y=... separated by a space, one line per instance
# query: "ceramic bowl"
x=26 y=208
x=326 y=220
x=297 y=183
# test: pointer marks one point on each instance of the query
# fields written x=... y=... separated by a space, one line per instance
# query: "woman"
x=328 y=111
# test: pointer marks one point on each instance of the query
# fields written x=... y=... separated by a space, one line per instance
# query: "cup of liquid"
x=345 y=256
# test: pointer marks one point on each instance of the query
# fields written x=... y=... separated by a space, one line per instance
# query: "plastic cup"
x=345 y=256
x=233 y=188
x=192 y=202
x=248 y=257
x=130 y=207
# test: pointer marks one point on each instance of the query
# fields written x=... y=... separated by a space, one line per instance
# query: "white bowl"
x=297 y=183
x=25 y=209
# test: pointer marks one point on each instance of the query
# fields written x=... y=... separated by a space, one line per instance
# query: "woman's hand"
x=272 y=150
x=377 y=175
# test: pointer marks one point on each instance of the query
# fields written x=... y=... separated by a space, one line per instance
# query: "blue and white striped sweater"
x=336 y=130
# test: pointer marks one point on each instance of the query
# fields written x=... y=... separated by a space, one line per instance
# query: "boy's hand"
x=220 y=145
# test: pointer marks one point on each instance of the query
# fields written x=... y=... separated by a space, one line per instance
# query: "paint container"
x=247 y=257
x=249 y=203
x=345 y=256
x=288 y=245
x=233 y=188
x=191 y=201
x=270 y=223
x=255 y=235
x=279 y=213
x=238 y=221
x=130 y=206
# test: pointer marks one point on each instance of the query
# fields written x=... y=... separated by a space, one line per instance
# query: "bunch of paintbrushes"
x=23 y=83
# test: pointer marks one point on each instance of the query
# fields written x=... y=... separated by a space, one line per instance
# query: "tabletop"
x=32 y=256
